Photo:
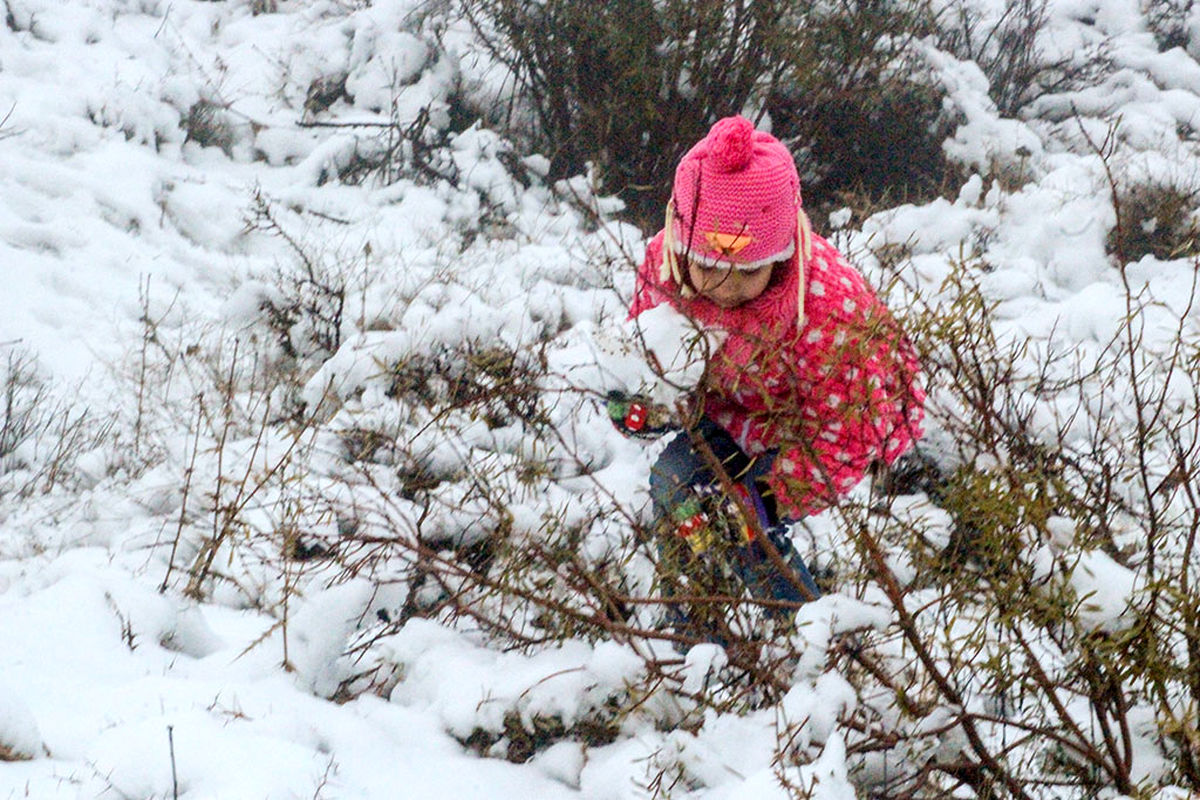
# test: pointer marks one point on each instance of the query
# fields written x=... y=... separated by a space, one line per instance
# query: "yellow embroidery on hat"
x=727 y=244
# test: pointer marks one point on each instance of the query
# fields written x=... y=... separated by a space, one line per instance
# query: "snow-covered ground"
x=135 y=264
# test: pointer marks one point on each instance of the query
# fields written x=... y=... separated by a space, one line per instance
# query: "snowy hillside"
x=296 y=362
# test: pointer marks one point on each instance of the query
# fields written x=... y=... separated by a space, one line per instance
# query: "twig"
x=183 y=503
x=174 y=773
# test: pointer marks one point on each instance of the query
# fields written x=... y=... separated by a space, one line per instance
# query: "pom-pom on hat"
x=736 y=198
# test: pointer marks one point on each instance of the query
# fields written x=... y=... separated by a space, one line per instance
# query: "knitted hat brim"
x=726 y=262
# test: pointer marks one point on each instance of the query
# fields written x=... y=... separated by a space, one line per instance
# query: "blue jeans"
x=673 y=481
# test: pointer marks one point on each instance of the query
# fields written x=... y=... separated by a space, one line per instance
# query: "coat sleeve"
x=856 y=398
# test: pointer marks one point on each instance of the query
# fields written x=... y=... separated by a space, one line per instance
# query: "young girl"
x=813 y=382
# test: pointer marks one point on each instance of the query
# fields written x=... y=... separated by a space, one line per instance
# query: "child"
x=812 y=384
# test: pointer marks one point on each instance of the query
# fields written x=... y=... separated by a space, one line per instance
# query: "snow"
x=20 y=738
x=1106 y=590
x=137 y=263
x=623 y=355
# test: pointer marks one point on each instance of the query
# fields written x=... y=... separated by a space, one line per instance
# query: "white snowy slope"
x=160 y=181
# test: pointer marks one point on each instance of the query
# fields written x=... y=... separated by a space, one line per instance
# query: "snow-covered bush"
x=1173 y=22
x=1156 y=218
x=305 y=301
x=20 y=739
x=207 y=125
x=1012 y=44
x=45 y=439
x=25 y=407
x=1037 y=618
x=627 y=87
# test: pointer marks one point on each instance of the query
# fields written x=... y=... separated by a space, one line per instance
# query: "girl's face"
x=726 y=286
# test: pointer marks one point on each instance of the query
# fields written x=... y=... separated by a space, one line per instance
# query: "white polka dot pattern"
x=832 y=398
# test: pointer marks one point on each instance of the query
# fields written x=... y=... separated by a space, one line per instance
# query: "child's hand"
x=636 y=415
x=676 y=348
x=660 y=355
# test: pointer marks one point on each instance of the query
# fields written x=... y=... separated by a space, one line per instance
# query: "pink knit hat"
x=735 y=203
x=736 y=198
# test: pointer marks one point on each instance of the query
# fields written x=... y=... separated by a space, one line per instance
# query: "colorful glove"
x=711 y=516
x=637 y=416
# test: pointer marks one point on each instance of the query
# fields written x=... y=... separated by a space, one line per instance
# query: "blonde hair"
x=670 y=268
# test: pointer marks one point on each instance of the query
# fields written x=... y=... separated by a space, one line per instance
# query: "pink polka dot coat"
x=832 y=398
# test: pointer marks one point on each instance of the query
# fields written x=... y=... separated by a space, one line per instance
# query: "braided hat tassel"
x=670 y=269
x=804 y=249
